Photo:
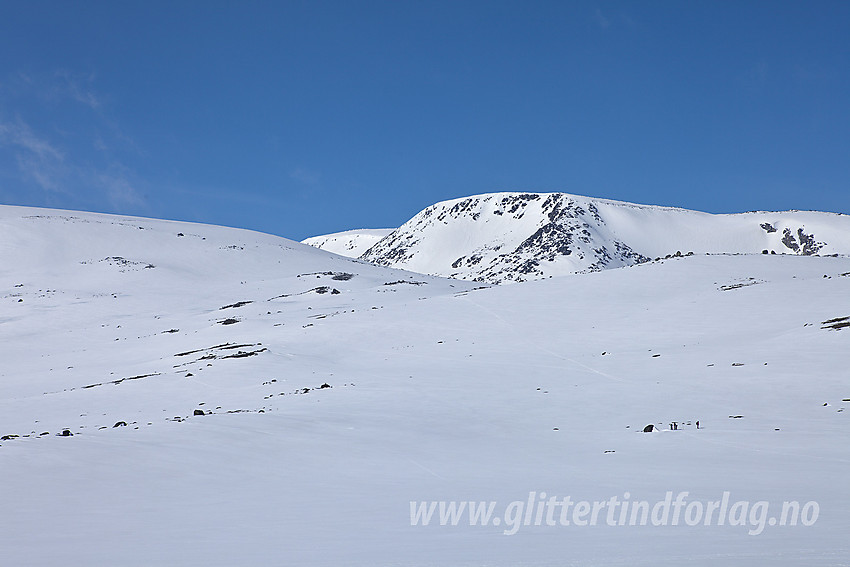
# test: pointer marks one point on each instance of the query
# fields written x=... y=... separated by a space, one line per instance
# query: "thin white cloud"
x=45 y=174
x=600 y=19
x=618 y=19
x=99 y=144
x=38 y=160
x=119 y=191
x=305 y=176
x=42 y=163
x=20 y=135
x=79 y=167
x=78 y=87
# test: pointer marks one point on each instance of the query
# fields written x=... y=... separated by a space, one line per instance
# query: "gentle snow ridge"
x=351 y=243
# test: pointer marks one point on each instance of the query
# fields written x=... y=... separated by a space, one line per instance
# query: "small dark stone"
x=325 y=385
x=199 y=412
x=119 y=424
x=65 y=433
x=649 y=428
x=237 y=304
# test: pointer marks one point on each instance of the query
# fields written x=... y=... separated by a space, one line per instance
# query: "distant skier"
x=697 y=424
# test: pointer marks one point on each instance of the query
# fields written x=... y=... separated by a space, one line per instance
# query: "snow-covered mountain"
x=351 y=243
x=183 y=394
x=506 y=237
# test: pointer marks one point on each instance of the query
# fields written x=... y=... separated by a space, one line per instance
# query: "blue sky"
x=302 y=118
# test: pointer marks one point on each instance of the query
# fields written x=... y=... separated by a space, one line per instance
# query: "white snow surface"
x=510 y=237
x=350 y=243
x=436 y=389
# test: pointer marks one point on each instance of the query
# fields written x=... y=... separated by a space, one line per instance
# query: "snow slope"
x=433 y=390
x=351 y=243
x=506 y=237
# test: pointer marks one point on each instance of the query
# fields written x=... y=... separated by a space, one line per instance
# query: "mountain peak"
x=513 y=237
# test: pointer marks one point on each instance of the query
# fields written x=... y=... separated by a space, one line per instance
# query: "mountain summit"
x=513 y=237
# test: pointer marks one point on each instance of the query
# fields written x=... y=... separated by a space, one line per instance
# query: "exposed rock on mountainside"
x=512 y=237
